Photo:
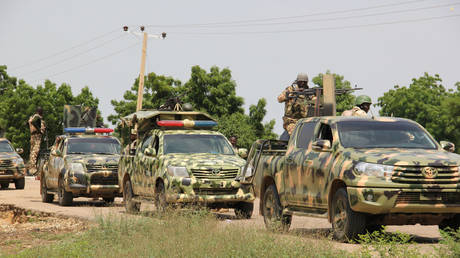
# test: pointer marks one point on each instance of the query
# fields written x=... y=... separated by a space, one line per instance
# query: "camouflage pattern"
x=355 y=111
x=212 y=178
x=11 y=165
x=35 y=140
x=99 y=177
x=79 y=116
x=294 y=108
x=423 y=181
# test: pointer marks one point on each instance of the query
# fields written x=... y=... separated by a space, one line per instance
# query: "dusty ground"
x=89 y=209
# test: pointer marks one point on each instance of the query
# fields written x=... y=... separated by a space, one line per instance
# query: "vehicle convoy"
x=12 y=168
x=179 y=160
x=360 y=173
x=82 y=163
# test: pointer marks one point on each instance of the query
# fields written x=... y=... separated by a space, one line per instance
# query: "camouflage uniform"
x=355 y=111
x=35 y=140
x=294 y=108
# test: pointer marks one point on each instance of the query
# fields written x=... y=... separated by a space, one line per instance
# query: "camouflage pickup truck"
x=359 y=173
x=179 y=161
x=12 y=168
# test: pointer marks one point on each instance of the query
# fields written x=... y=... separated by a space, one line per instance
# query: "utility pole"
x=140 y=91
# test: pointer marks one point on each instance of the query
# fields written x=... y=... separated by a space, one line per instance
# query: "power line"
x=341 y=18
x=321 y=29
x=75 y=55
x=94 y=61
x=64 y=51
x=287 y=17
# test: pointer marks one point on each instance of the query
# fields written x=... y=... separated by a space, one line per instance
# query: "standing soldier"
x=362 y=105
x=295 y=107
x=37 y=129
x=233 y=140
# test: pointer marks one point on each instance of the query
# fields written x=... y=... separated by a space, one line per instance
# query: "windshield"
x=378 y=134
x=93 y=146
x=5 y=147
x=184 y=143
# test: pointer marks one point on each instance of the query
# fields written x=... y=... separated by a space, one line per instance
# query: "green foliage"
x=212 y=92
x=19 y=101
x=450 y=243
x=427 y=102
x=344 y=101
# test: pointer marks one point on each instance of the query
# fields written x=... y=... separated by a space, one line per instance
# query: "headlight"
x=377 y=170
x=248 y=172
x=77 y=168
x=178 y=171
x=18 y=161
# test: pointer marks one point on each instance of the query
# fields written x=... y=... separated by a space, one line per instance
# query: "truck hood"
x=405 y=157
x=8 y=155
x=93 y=158
x=203 y=160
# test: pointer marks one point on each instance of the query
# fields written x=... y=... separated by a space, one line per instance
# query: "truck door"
x=296 y=161
x=55 y=165
x=148 y=167
x=317 y=169
x=138 y=170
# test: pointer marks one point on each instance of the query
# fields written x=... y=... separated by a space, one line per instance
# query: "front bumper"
x=185 y=190
x=11 y=174
x=94 y=190
x=403 y=200
x=104 y=183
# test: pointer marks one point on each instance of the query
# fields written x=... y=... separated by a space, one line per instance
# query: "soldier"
x=233 y=140
x=133 y=144
x=37 y=129
x=297 y=107
x=362 y=106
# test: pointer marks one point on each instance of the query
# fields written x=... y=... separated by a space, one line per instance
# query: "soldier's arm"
x=282 y=96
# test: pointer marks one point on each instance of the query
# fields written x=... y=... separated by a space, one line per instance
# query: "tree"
x=343 y=101
x=20 y=100
x=427 y=102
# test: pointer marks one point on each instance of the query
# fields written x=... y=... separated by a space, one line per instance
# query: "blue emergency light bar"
x=87 y=130
x=187 y=123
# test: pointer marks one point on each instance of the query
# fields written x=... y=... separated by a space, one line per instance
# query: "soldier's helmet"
x=361 y=99
x=302 y=77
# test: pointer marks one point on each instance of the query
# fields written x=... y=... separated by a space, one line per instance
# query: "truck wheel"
x=46 y=197
x=160 y=197
x=272 y=211
x=64 y=198
x=451 y=224
x=5 y=185
x=130 y=205
x=19 y=183
x=243 y=210
x=108 y=199
x=346 y=224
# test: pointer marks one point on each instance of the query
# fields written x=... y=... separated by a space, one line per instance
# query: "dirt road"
x=29 y=198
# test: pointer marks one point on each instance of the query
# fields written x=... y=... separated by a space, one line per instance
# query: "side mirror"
x=322 y=145
x=56 y=153
x=19 y=150
x=150 y=152
x=447 y=146
x=243 y=152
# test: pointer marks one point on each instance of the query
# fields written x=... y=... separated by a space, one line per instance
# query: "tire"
x=272 y=211
x=46 y=197
x=130 y=205
x=108 y=199
x=451 y=224
x=346 y=224
x=65 y=198
x=243 y=210
x=160 y=197
x=5 y=185
x=19 y=183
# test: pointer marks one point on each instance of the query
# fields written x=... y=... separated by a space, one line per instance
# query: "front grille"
x=428 y=198
x=413 y=175
x=215 y=173
x=215 y=191
x=7 y=163
x=100 y=179
x=101 y=167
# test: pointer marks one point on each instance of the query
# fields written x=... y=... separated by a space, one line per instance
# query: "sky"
x=374 y=44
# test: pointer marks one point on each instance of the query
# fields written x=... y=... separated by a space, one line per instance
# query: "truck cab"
x=179 y=160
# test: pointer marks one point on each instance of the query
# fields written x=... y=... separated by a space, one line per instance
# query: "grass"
x=181 y=234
